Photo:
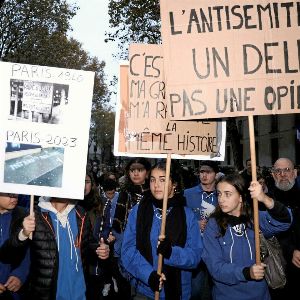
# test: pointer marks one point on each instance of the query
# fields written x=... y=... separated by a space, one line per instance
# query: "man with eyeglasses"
x=14 y=264
x=202 y=199
x=287 y=191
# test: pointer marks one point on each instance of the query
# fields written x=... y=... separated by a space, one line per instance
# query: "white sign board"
x=44 y=129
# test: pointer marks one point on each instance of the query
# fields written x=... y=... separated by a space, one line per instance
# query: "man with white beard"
x=287 y=191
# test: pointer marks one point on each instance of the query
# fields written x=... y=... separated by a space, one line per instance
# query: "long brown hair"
x=92 y=201
x=222 y=218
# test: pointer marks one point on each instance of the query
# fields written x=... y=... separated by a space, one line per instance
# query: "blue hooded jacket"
x=194 y=197
x=226 y=257
x=6 y=270
x=185 y=258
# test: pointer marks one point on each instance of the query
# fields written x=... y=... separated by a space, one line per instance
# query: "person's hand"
x=296 y=258
x=156 y=281
x=164 y=248
x=257 y=272
x=2 y=288
x=256 y=191
x=28 y=225
x=111 y=238
x=13 y=284
x=103 y=250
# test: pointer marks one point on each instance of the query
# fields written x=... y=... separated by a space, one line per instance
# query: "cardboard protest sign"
x=231 y=58
x=142 y=125
x=44 y=125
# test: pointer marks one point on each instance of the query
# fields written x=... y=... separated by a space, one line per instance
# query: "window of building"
x=228 y=155
x=240 y=128
x=274 y=123
x=255 y=124
x=274 y=149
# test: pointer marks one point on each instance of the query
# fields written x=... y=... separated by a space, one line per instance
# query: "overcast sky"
x=89 y=26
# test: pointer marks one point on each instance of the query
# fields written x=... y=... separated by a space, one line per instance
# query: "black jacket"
x=290 y=239
x=43 y=274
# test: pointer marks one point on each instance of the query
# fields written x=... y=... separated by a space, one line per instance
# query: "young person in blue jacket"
x=229 y=243
x=181 y=248
x=202 y=199
x=14 y=264
x=60 y=248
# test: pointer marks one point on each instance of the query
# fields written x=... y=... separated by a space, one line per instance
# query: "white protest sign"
x=141 y=123
x=44 y=125
x=231 y=58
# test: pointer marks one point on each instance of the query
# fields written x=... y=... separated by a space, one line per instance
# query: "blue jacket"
x=226 y=257
x=194 y=197
x=185 y=258
x=18 y=268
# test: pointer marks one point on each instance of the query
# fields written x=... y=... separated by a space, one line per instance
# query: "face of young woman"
x=230 y=201
x=137 y=173
x=88 y=185
x=157 y=184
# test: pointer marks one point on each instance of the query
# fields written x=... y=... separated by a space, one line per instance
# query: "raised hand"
x=103 y=250
x=28 y=225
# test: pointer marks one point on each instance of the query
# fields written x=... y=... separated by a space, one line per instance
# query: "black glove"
x=153 y=281
x=165 y=248
x=246 y=273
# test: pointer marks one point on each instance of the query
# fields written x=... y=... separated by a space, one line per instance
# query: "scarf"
x=127 y=199
x=176 y=232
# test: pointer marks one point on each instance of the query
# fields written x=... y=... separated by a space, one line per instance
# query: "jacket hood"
x=62 y=217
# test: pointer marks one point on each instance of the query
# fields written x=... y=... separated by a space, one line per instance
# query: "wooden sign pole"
x=164 y=217
x=254 y=178
x=31 y=210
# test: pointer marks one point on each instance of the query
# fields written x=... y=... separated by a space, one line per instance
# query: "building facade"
x=275 y=136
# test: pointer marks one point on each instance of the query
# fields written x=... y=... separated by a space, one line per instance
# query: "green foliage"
x=133 y=21
x=35 y=32
x=23 y=22
x=102 y=132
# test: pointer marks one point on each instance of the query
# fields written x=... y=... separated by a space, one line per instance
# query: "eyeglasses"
x=9 y=195
x=283 y=171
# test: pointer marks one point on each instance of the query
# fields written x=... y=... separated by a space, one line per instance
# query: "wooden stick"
x=31 y=210
x=31 y=204
x=254 y=178
x=164 y=217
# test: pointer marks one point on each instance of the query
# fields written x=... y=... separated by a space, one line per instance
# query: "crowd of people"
x=107 y=246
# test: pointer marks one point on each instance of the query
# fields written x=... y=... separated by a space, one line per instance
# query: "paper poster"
x=230 y=58
x=142 y=125
x=44 y=125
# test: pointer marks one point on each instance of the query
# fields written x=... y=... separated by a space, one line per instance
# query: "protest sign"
x=44 y=125
x=142 y=124
x=231 y=58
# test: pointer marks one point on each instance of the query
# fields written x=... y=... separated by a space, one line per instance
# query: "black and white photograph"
x=40 y=102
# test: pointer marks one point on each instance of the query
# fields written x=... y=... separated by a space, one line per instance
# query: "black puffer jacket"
x=43 y=274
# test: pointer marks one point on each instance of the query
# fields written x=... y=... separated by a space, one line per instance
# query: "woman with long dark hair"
x=131 y=193
x=181 y=248
x=229 y=242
